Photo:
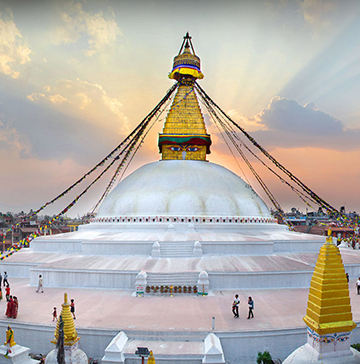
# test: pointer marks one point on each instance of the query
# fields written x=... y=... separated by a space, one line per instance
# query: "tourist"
x=235 y=306
x=0 y=280
x=9 y=307
x=40 y=284
x=7 y=291
x=358 y=286
x=5 y=280
x=15 y=308
x=251 y=307
x=347 y=277
x=72 y=308
x=54 y=314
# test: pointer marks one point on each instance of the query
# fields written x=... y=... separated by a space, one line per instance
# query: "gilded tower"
x=67 y=347
x=329 y=309
x=328 y=315
x=184 y=135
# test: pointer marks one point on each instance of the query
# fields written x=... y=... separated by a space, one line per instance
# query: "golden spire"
x=70 y=334
x=184 y=135
x=329 y=309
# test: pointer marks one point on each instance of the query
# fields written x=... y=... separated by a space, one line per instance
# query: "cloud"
x=85 y=100
x=14 y=50
x=286 y=124
x=249 y=124
x=96 y=30
x=318 y=13
x=10 y=139
x=289 y=125
x=42 y=130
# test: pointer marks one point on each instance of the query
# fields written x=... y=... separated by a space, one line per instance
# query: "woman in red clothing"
x=9 y=307
x=15 y=308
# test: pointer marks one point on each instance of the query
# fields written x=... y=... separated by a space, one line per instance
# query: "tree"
x=264 y=358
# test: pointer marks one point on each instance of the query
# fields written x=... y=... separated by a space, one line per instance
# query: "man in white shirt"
x=235 y=306
x=358 y=286
x=40 y=284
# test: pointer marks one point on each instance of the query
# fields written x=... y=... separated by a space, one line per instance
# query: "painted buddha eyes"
x=188 y=149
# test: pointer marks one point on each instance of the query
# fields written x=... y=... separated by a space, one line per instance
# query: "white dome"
x=73 y=355
x=183 y=188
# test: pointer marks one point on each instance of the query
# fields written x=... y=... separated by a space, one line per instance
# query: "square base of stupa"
x=19 y=355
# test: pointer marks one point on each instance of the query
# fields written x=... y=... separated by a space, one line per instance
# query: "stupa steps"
x=180 y=249
x=175 y=279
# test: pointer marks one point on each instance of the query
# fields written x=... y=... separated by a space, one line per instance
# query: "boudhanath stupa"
x=183 y=222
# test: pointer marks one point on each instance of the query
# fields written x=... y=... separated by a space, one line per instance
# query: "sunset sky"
x=77 y=76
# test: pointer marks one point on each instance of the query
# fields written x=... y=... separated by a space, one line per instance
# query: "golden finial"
x=329 y=239
x=186 y=64
x=329 y=309
x=70 y=334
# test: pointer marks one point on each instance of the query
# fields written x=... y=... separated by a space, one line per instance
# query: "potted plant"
x=147 y=289
x=195 y=289
x=189 y=289
x=184 y=289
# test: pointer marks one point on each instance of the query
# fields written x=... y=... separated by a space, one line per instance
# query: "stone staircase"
x=175 y=279
x=176 y=249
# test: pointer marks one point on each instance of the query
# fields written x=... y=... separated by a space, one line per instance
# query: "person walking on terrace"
x=358 y=286
x=54 y=314
x=5 y=279
x=235 y=306
x=251 y=307
x=40 y=284
x=72 y=308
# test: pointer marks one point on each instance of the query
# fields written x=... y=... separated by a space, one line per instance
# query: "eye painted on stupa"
x=175 y=149
x=192 y=149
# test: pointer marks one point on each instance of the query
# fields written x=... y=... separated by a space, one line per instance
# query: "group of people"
x=12 y=306
x=236 y=304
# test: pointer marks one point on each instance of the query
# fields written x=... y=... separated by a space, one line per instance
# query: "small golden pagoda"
x=71 y=351
x=328 y=315
x=184 y=135
x=70 y=334
x=329 y=309
x=151 y=359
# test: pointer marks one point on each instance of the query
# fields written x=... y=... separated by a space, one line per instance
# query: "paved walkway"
x=112 y=309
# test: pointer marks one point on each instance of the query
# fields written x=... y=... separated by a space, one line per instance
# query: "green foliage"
x=356 y=346
x=264 y=358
